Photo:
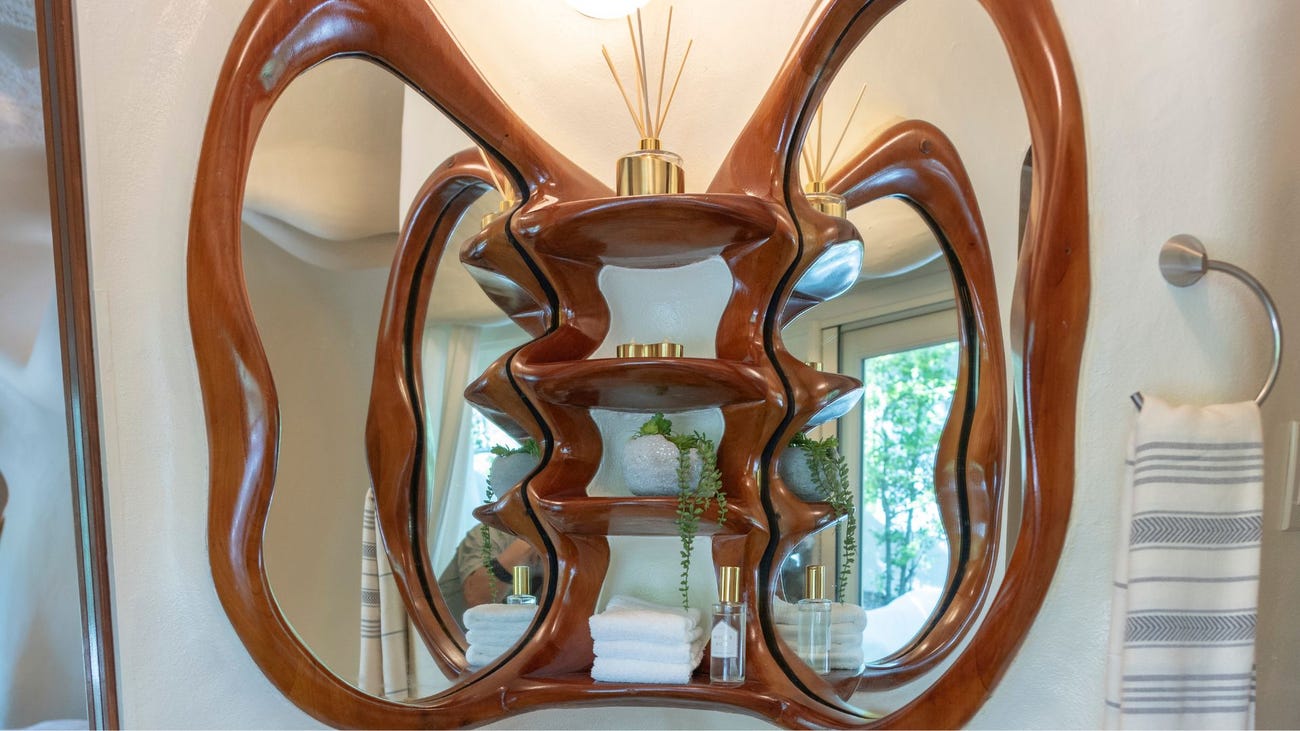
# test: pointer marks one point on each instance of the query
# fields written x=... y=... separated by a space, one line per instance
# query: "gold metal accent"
x=522 y=582
x=650 y=350
x=502 y=207
x=815 y=365
x=814 y=584
x=650 y=172
x=729 y=584
x=831 y=204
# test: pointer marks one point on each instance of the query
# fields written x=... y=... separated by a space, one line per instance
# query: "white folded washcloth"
x=493 y=615
x=617 y=670
x=846 y=659
x=626 y=601
x=841 y=613
x=479 y=655
x=628 y=618
x=506 y=635
x=840 y=633
x=667 y=652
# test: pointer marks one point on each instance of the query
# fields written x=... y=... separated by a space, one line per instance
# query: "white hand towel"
x=846 y=659
x=841 y=613
x=642 y=624
x=625 y=601
x=618 y=670
x=494 y=615
x=668 y=652
x=479 y=655
x=1186 y=584
x=840 y=633
x=386 y=667
x=506 y=635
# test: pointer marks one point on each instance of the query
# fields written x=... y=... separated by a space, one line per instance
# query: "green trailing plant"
x=692 y=500
x=528 y=446
x=830 y=476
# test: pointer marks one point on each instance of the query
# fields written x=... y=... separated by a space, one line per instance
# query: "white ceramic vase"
x=650 y=466
x=797 y=475
x=510 y=470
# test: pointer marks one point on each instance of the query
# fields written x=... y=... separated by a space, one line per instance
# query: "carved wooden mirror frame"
x=539 y=262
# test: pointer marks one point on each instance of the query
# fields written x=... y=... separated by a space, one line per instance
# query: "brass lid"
x=666 y=349
x=650 y=143
x=814 y=584
x=522 y=582
x=816 y=186
x=729 y=584
x=650 y=172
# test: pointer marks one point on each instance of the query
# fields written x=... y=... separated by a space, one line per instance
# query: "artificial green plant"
x=830 y=476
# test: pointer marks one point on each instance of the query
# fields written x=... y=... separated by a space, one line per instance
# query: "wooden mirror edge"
x=233 y=373
x=55 y=21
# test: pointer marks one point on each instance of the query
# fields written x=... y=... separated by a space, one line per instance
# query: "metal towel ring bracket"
x=1183 y=262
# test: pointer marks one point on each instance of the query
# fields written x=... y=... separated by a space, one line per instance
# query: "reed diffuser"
x=817 y=169
x=650 y=170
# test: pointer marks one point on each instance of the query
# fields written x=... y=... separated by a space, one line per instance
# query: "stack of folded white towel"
x=848 y=621
x=637 y=641
x=492 y=629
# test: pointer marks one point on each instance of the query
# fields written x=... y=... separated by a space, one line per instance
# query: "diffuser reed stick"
x=647 y=114
x=816 y=168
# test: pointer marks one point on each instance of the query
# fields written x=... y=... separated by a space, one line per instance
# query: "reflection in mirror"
x=931 y=85
x=336 y=165
x=895 y=330
x=42 y=675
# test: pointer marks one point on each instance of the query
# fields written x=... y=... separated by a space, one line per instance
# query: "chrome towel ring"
x=1183 y=262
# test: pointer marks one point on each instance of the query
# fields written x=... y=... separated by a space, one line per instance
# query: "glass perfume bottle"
x=727 y=639
x=521 y=585
x=815 y=621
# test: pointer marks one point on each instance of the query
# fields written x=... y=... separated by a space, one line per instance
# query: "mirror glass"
x=336 y=166
x=42 y=670
x=896 y=327
x=896 y=331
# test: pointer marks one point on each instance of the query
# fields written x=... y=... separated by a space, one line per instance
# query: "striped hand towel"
x=386 y=663
x=1182 y=632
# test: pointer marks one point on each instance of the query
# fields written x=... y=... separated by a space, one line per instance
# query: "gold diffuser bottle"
x=832 y=204
x=650 y=170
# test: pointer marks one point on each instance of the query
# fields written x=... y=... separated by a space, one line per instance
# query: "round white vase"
x=650 y=466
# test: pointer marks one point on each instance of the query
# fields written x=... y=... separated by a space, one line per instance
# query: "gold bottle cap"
x=816 y=186
x=729 y=584
x=629 y=350
x=815 y=365
x=522 y=582
x=814 y=585
x=650 y=143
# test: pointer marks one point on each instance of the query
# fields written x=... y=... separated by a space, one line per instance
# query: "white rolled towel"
x=666 y=652
x=494 y=615
x=842 y=613
x=618 y=670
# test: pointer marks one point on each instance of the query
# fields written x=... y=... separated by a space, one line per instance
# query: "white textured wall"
x=1189 y=104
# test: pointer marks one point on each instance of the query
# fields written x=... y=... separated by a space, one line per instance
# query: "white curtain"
x=449 y=366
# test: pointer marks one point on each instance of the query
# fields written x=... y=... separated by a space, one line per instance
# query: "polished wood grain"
x=541 y=262
x=59 y=92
